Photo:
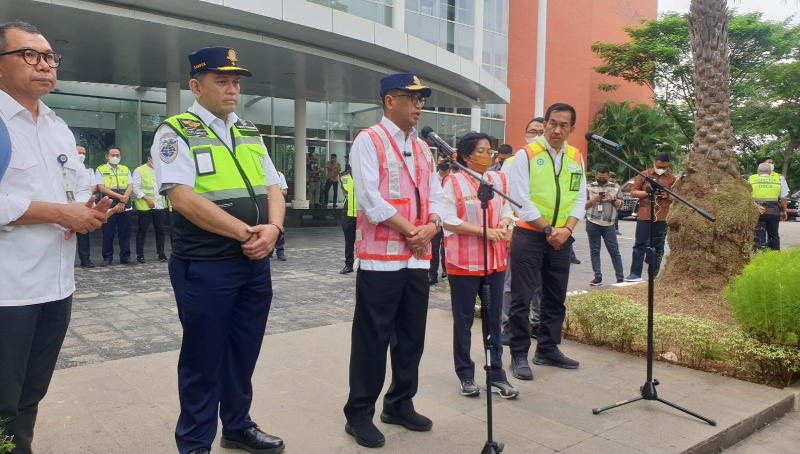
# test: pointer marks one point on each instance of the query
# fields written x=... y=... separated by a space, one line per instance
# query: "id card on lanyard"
x=65 y=183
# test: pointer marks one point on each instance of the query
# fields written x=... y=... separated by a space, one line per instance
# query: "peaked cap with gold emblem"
x=220 y=59
x=403 y=81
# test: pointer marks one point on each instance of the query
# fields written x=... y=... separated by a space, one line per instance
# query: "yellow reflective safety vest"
x=350 y=202
x=117 y=182
x=766 y=189
x=233 y=179
x=552 y=193
x=148 y=188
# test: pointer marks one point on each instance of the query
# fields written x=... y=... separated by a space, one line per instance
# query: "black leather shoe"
x=366 y=434
x=346 y=270
x=162 y=258
x=411 y=421
x=575 y=261
x=444 y=274
x=105 y=264
x=554 y=358
x=128 y=262
x=432 y=280
x=140 y=259
x=200 y=451
x=88 y=264
x=252 y=440
x=282 y=258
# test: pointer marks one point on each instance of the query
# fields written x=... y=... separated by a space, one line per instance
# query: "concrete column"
x=477 y=45
x=300 y=151
x=475 y=120
x=399 y=15
x=173 y=98
x=127 y=138
x=541 y=51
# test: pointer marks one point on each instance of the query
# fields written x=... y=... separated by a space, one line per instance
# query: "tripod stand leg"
x=688 y=412
x=618 y=404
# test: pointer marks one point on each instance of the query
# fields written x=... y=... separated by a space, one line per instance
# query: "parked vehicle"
x=794 y=205
x=629 y=205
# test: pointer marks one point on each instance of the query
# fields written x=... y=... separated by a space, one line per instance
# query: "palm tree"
x=706 y=253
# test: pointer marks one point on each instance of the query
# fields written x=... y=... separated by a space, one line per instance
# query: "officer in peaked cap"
x=227 y=215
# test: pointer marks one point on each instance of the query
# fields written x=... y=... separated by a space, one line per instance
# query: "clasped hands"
x=84 y=218
x=558 y=237
x=261 y=244
x=419 y=239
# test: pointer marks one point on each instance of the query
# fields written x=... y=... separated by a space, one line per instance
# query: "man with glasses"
x=534 y=130
x=37 y=226
x=400 y=208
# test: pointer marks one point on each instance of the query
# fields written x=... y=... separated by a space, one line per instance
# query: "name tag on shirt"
x=573 y=168
x=205 y=162
x=392 y=165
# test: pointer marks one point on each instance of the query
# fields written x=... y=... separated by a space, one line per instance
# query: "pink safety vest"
x=465 y=252
x=379 y=242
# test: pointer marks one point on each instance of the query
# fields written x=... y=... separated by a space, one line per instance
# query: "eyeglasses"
x=33 y=57
x=414 y=99
x=533 y=133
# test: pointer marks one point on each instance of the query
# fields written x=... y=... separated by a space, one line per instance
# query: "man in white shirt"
x=37 y=223
x=84 y=246
x=400 y=208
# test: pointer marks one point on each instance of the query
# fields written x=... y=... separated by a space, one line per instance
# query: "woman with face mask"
x=464 y=245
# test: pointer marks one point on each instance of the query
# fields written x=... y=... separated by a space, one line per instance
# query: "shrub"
x=766 y=297
x=6 y=442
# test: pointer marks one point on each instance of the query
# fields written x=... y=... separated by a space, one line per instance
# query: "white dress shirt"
x=137 y=188
x=36 y=263
x=451 y=205
x=519 y=184
x=182 y=169
x=100 y=181
x=283 y=181
x=366 y=180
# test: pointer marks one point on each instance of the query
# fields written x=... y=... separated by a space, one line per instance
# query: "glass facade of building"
x=379 y=11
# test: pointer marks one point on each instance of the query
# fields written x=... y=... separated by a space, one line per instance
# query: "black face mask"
x=602 y=182
x=443 y=167
x=454 y=168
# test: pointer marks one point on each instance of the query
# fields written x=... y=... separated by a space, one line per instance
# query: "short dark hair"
x=537 y=119
x=333 y=155
x=601 y=169
x=15 y=25
x=561 y=107
x=146 y=154
x=764 y=159
x=663 y=157
x=505 y=149
x=113 y=147
x=467 y=145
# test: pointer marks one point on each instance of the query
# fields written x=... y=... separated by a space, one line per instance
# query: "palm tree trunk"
x=711 y=252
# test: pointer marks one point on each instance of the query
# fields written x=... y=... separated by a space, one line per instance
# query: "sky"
x=772 y=9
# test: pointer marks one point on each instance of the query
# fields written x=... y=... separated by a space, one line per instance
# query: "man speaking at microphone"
x=400 y=208
x=549 y=181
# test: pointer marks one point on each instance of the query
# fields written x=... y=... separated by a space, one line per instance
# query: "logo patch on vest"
x=193 y=128
x=168 y=147
x=540 y=162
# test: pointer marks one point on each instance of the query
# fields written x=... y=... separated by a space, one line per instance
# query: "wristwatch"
x=280 y=229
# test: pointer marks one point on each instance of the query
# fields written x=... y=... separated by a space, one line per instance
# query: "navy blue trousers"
x=463 y=290
x=223 y=307
x=118 y=223
x=598 y=233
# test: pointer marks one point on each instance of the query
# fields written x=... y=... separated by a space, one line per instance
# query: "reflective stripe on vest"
x=117 y=182
x=347 y=185
x=148 y=188
x=465 y=252
x=766 y=189
x=410 y=199
x=553 y=195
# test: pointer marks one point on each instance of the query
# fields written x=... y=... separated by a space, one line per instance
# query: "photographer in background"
x=602 y=201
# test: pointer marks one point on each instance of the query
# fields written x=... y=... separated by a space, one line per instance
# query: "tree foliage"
x=640 y=130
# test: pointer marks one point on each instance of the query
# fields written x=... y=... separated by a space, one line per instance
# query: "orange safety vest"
x=465 y=252
x=411 y=200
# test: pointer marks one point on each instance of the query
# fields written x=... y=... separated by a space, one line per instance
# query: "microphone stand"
x=486 y=192
x=648 y=391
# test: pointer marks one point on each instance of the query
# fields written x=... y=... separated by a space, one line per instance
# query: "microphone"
x=602 y=141
x=407 y=154
x=428 y=134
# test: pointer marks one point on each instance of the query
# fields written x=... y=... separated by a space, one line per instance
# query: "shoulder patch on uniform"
x=168 y=146
x=193 y=128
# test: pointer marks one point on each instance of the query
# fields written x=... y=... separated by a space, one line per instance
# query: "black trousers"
x=30 y=339
x=767 y=232
x=83 y=247
x=391 y=312
x=643 y=240
x=463 y=290
x=536 y=264
x=159 y=219
x=349 y=229
x=328 y=186
x=117 y=223
x=437 y=249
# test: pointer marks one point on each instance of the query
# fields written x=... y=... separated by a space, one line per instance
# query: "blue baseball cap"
x=403 y=81
x=220 y=59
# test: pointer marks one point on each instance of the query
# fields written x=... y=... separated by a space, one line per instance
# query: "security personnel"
x=548 y=179
x=151 y=209
x=228 y=214
x=400 y=208
x=349 y=219
x=770 y=198
x=84 y=246
x=279 y=245
x=113 y=180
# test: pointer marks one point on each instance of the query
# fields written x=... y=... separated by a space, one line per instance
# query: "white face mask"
x=113 y=161
x=660 y=171
x=81 y=157
x=531 y=139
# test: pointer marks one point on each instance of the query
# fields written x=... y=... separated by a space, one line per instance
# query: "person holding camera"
x=602 y=201
x=660 y=173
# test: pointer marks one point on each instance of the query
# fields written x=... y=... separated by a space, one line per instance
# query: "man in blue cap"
x=227 y=215
x=400 y=208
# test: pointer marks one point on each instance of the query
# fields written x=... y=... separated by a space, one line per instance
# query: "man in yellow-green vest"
x=227 y=214
x=770 y=196
x=113 y=180
x=349 y=219
x=547 y=177
x=152 y=209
